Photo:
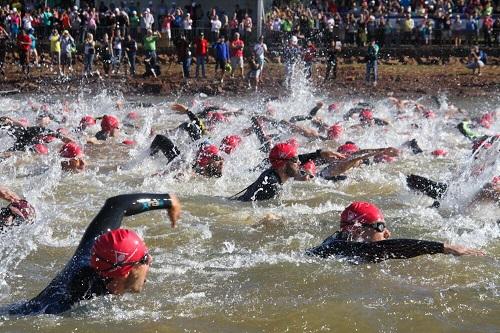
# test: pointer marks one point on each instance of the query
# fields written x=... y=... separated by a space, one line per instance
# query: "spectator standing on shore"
x=331 y=60
x=149 y=45
x=88 y=54
x=166 y=27
x=236 y=48
x=131 y=49
x=67 y=47
x=134 y=24
x=457 y=30
x=372 y=62
x=184 y=55
x=188 y=27
x=496 y=31
x=471 y=27
x=253 y=73
x=24 y=45
x=46 y=21
x=33 y=51
x=106 y=54
x=247 y=27
x=201 y=52
x=55 y=49
x=291 y=55
x=260 y=50
x=117 y=51
x=27 y=21
x=309 y=57
x=147 y=21
x=216 y=24
x=15 y=23
x=221 y=52
x=76 y=23
x=488 y=29
x=4 y=37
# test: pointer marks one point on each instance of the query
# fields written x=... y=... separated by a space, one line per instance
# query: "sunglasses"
x=379 y=226
x=143 y=261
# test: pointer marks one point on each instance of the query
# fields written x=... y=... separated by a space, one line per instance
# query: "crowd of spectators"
x=115 y=34
x=388 y=21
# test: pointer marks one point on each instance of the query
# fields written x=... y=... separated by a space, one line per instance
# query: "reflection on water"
x=219 y=273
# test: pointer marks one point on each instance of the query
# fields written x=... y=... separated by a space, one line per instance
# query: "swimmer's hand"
x=179 y=108
x=331 y=155
x=8 y=195
x=459 y=250
x=174 y=212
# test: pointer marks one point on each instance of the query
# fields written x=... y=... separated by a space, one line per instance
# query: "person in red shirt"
x=65 y=21
x=236 y=48
x=309 y=56
x=24 y=44
x=201 y=50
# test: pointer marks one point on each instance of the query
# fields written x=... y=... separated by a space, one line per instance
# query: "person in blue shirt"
x=31 y=33
x=221 y=52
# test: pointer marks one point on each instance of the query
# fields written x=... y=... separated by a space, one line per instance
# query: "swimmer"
x=27 y=137
x=110 y=127
x=364 y=236
x=108 y=260
x=17 y=212
x=285 y=164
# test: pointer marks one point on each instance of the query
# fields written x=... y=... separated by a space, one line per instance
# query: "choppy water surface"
x=218 y=273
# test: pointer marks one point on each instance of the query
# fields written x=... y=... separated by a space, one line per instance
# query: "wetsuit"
x=78 y=281
x=27 y=136
x=430 y=188
x=310 y=116
x=338 y=244
x=268 y=185
x=195 y=127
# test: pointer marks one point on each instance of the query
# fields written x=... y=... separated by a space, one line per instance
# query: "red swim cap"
x=348 y=148
x=359 y=212
x=366 y=115
x=310 y=167
x=486 y=120
x=496 y=180
x=293 y=142
x=71 y=150
x=229 y=143
x=335 y=131
x=114 y=252
x=108 y=123
x=128 y=142
x=281 y=153
x=216 y=117
x=23 y=209
x=207 y=155
x=87 y=121
x=439 y=152
x=133 y=115
x=429 y=114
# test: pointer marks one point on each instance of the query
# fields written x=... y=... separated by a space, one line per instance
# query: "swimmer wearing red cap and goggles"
x=364 y=236
x=108 y=260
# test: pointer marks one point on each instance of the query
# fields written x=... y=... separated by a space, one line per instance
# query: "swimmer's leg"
x=430 y=188
x=166 y=146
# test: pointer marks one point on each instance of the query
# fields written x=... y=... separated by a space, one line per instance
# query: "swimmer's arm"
x=8 y=195
x=396 y=249
x=320 y=154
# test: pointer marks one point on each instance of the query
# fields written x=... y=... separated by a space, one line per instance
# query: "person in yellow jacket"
x=55 y=49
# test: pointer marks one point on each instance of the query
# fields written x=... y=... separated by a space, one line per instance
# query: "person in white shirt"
x=216 y=25
x=27 y=19
x=187 y=24
x=260 y=50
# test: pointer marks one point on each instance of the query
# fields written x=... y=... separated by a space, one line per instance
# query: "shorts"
x=237 y=62
x=221 y=63
x=66 y=59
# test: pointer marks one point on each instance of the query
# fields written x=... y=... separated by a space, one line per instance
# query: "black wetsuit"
x=337 y=244
x=268 y=185
x=27 y=136
x=78 y=281
x=195 y=127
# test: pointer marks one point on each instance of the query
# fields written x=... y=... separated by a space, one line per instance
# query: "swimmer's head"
x=209 y=162
x=230 y=143
x=110 y=123
x=40 y=149
x=307 y=171
x=439 y=153
x=335 y=131
x=366 y=116
x=87 y=121
x=17 y=212
x=283 y=156
x=364 y=222
x=348 y=148
x=71 y=150
x=121 y=257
